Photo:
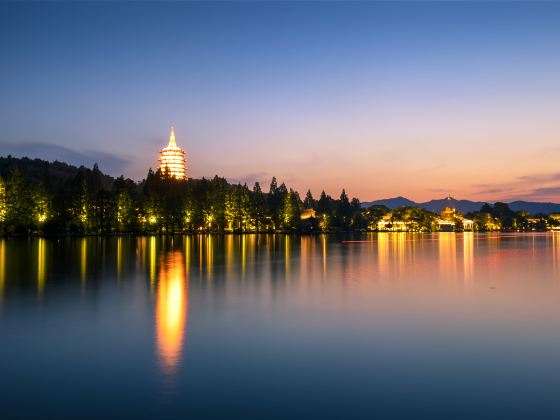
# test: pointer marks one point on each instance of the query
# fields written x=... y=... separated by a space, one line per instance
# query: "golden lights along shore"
x=172 y=159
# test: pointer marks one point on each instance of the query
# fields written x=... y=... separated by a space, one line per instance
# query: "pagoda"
x=172 y=159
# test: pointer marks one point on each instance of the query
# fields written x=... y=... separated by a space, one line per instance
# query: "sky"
x=384 y=99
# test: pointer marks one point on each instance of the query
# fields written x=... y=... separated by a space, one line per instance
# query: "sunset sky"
x=383 y=99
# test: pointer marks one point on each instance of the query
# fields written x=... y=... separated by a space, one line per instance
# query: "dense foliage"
x=55 y=198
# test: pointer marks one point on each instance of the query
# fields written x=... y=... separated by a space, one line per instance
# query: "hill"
x=464 y=206
x=38 y=170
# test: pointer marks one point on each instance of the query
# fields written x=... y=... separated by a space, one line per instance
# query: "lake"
x=388 y=325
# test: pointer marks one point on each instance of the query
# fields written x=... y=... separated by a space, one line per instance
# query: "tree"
x=291 y=210
x=309 y=202
x=374 y=214
x=343 y=211
x=42 y=206
x=276 y=198
x=19 y=206
x=238 y=207
x=325 y=207
x=258 y=206
x=3 y=202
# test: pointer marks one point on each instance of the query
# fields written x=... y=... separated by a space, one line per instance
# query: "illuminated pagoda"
x=172 y=158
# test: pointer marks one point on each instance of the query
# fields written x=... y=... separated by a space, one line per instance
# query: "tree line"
x=39 y=197
x=496 y=217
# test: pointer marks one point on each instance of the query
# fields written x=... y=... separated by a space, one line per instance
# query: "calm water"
x=389 y=326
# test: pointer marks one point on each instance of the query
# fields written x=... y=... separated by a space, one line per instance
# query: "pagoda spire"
x=172 y=159
x=172 y=144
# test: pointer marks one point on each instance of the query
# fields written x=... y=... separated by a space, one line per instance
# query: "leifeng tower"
x=172 y=159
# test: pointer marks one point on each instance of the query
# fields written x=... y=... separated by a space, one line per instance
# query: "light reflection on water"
x=2 y=266
x=333 y=326
x=171 y=311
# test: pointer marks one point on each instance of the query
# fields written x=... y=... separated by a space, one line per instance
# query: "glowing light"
x=172 y=159
x=188 y=216
x=3 y=205
x=84 y=214
x=447 y=245
x=171 y=312
x=324 y=254
x=119 y=257
x=209 y=218
x=2 y=266
x=209 y=256
x=152 y=261
x=307 y=214
x=83 y=261
x=468 y=256
x=41 y=257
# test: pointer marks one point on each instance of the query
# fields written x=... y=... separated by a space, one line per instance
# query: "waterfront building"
x=307 y=214
x=450 y=218
x=172 y=159
x=388 y=224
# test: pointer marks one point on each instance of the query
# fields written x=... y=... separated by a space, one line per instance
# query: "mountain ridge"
x=464 y=206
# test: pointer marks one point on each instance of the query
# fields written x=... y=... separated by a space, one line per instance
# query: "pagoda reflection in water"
x=171 y=311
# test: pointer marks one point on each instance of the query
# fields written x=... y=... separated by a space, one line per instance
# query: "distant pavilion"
x=172 y=159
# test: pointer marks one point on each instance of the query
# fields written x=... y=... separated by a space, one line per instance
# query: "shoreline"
x=331 y=233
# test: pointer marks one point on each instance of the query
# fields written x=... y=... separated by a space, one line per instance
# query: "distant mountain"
x=535 y=208
x=38 y=170
x=391 y=203
x=463 y=206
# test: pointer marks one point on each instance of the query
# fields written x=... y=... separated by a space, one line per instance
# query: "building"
x=449 y=219
x=307 y=214
x=172 y=159
x=388 y=224
x=446 y=225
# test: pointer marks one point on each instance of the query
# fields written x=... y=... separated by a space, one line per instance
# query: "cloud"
x=544 y=192
x=526 y=187
x=108 y=163
x=540 y=177
x=493 y=189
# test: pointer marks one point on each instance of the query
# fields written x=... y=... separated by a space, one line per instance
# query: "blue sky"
x=415 y=99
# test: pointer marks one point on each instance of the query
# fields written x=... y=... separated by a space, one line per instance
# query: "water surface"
x=271 y=326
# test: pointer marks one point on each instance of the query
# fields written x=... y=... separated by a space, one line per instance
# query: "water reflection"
x=152 y=251
x=262 y=310
x=209 y=256
x=447 y=243
x=119 y=257
x=2 y=267
x=468 y=257
x=171 y=311
x=41 y=263
x=556 y=252
x=83 y=261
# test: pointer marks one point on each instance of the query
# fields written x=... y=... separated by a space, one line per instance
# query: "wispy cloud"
x=108 y=163
x=539 y=187
x=545 y=193
x=493 y=189
x=540 y=178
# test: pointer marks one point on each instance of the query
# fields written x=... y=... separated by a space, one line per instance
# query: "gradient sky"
x=383 y=99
